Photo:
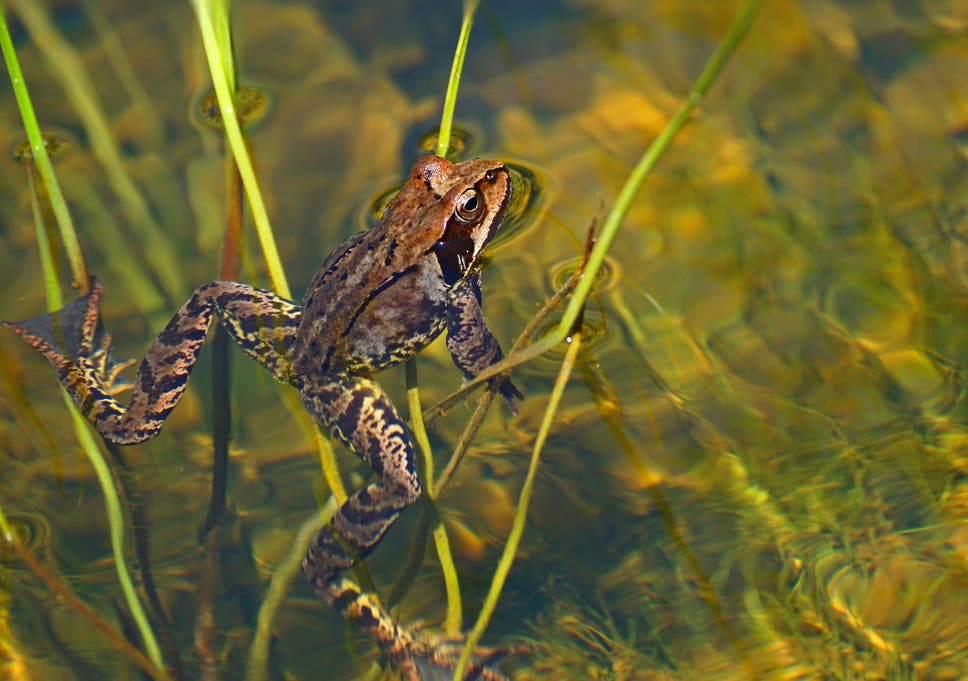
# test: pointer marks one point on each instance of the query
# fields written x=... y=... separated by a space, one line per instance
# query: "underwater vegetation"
x=741 y=451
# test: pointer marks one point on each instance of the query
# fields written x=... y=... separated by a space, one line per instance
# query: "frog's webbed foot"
x=434 y=658
x=74 y=341
x=417 y=655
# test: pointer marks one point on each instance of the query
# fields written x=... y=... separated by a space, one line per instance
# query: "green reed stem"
x=521 y=514
x=454 y=621
x=116 y=525
x=215 y=27
x=134 y=504
x=572 y=313
x=78 y=86
x=456 y=68
x=41 y=158
x=452 y=624
x=5 y=529
x=77 y=605
x=213 y=22
x=649 y=160
x=79 y=272
x=52 y=291
x=455 y=616
x=282 y=577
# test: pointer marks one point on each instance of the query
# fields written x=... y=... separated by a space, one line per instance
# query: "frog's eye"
x=469 y=207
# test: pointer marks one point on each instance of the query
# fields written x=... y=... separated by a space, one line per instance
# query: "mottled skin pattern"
x=379 y=298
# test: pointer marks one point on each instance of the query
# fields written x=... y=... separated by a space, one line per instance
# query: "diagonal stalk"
x=566 y=328
x=521 y=514
x=7 y=536
x=650 y=159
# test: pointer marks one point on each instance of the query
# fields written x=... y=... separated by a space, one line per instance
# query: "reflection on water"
x=759 y=469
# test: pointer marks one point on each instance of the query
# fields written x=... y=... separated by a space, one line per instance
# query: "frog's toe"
x=107 y=368
x=511 y=394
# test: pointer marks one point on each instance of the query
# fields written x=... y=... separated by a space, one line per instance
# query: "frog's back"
x=382 y=294
x=361 y=313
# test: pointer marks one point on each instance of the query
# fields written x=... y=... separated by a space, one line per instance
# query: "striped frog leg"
x=471 y=344
x=260 y=322
x=357 y=412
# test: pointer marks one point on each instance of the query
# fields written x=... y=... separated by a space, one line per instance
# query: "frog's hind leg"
x=261 y=323
x=416 y=655
x=360 y=415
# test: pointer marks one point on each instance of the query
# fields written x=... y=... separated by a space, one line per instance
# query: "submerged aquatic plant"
x=214 y=23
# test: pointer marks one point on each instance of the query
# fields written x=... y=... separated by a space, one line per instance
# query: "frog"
x=378 y=298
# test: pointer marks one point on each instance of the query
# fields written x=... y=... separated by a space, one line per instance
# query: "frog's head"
x=455 y=209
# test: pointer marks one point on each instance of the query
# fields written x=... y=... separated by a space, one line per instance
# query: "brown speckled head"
x=452 y=207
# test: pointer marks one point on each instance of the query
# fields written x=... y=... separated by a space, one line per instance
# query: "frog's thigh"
x=260 y=322
x=359 y=414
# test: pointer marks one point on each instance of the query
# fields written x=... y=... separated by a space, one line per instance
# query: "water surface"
x=759 y=467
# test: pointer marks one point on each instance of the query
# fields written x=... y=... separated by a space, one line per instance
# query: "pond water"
x=759 y=468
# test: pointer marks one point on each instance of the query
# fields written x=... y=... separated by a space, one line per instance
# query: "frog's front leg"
x=360 y=415
x=262 y=324
x=471 y=344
